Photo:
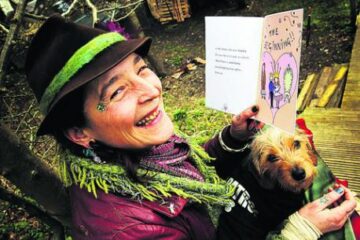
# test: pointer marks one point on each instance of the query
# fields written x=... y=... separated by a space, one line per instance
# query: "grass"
x=178 y=55
x=193 y=118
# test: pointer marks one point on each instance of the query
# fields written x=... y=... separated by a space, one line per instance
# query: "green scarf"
x=158 y=186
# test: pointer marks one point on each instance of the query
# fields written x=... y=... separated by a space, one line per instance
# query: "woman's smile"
x=150 y=119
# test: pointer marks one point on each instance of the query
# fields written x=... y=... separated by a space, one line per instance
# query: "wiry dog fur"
x=280 y=158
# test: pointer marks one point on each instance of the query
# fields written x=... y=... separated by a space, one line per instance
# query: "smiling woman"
x=133 y=116
x=129 y=176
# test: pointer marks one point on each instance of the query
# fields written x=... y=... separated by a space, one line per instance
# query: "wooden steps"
x=351 y=99
x=324 y=89
x=337 y=139
x=330 y=104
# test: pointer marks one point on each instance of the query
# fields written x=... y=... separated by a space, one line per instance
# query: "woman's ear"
x=78 y=136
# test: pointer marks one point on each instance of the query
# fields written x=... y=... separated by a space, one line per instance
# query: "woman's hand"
x=243 y=126
x=325 y=219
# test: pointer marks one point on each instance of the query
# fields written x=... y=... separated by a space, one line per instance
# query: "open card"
x=255 y=60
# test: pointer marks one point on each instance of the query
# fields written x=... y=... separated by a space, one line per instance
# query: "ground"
x=330 y=42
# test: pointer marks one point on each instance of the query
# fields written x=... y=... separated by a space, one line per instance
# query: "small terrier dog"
x=270 y=184
x=283 y=159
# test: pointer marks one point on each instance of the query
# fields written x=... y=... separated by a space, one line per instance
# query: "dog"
x=270 y=184
x=282 y=159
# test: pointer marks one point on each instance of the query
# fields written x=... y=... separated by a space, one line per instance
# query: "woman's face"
x=133 y=115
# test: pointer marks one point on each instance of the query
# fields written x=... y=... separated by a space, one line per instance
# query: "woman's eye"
x=117 y=92
x=142 y=68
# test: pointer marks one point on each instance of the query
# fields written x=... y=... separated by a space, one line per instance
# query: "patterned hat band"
x=79 y=59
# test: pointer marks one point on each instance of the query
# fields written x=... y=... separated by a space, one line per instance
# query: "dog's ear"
x=256 y=163
x=255 y=155
x=312 y=154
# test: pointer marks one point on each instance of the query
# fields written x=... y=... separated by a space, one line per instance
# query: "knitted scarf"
x=171 y=157
x=198 y=183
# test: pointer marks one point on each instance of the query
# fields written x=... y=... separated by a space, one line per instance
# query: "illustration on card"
x=280 y=57
x=278 y=80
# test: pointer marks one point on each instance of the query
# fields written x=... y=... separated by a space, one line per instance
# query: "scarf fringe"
x=108 y=177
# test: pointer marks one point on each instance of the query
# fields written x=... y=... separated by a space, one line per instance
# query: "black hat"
x=63 y=56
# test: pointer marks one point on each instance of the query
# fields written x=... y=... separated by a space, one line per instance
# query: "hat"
x=63 y=56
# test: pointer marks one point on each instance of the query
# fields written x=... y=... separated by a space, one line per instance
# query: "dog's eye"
x=272 y=158
x=297 y=144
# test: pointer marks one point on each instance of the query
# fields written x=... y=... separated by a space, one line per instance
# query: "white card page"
x=233 y=46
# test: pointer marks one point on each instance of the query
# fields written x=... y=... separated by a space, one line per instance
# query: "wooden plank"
x=164 y=7
x=307 y=91
x=353 y=103
x=353 y=94
x=345 y=125
x=179 y=11
x=331 y=119
x=326 y=75
x=332 y=87
x=336 y=99
x=330 y=113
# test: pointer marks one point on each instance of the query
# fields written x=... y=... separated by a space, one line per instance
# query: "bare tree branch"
x=72 y=5
x=130 y=12
x=9 y=37
x=120 y=7
x=94 y=11
x=2 y=27
x=34 y=16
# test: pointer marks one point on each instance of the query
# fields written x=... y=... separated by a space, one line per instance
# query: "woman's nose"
x=147 y=91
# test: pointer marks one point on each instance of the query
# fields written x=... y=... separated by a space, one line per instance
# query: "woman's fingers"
x=246 y=114
x=324 y=217
x=342 y=212
x=243 y=126
x=348 y=205
x=329 y=198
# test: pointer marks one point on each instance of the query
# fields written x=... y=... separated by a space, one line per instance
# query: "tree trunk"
x=136 y=28
x=10 y=36
x=32 y=176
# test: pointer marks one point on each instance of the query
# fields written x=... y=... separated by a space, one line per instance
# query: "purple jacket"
x=116 y=217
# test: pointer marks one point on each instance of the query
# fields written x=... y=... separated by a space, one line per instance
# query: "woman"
x=130 y=176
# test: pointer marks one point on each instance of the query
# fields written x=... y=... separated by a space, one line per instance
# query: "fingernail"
x=339 y=190
x=254 y=109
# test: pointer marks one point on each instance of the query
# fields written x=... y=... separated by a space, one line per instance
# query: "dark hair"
x=69 y=113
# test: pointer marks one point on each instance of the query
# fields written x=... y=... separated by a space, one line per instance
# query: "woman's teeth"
x=148 y=119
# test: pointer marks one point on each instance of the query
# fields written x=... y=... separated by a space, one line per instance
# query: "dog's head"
x=284 y=159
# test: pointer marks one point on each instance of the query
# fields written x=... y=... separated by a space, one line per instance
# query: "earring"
x=89 y=152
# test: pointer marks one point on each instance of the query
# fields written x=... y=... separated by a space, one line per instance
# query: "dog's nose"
x=298 y=173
